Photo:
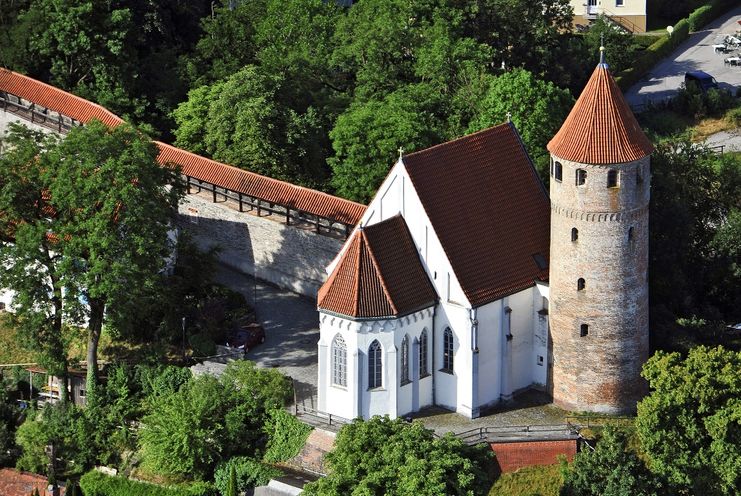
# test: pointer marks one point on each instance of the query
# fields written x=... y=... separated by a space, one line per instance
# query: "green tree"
x=537 y=109
x=611 y=469
x=382 y=456
x=114 y=204
x=690 y=424
x=366 y=138
x=32 y=266
x=619 y=46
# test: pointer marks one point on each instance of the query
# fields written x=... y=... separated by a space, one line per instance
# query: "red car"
x=247 y=337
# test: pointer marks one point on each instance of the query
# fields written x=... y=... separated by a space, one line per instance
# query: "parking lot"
x=696 y=53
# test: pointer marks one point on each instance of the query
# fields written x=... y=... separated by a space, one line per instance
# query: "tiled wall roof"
x=601 y=128
x=222 y=175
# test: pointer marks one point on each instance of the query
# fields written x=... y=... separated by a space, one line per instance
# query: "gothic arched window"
x=375 y=367
x=423 y=370
x=448 y=350
x=405 y=360
x=339 y=361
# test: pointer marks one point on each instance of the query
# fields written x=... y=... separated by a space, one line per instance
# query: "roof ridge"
x=380 y=274
x=465 y=136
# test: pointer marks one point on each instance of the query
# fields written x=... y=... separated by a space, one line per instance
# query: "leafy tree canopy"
x=690 y=424
x=382 y=456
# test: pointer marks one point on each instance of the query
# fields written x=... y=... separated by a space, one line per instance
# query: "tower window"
x=639 y=176
x=374 y=366
x=574 y=234
x=584 y=330
x=630 y=234
x=448 y=351
x=581 y=177
x=558 y=171
x=612 y=178
x=581 y=284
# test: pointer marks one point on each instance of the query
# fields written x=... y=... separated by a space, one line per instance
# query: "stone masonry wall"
x=287 y=256
x=600 y=371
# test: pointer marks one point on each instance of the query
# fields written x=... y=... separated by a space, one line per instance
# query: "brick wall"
x=311 y=457
x=513 y=456
x=287 y=256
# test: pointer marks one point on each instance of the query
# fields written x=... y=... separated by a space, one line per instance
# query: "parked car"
x=700 y=79
x=247 y=337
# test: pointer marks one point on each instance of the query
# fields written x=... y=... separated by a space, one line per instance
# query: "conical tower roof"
x=601 y=128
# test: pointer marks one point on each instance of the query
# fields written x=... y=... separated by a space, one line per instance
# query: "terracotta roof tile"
x=379 y=275
x=601 y=128
x=225 y=176
x=55 y=99
x=488 y=208
x=16 y=483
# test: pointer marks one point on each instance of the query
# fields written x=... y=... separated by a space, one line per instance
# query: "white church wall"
x=490 y=352
x=521 y=321
x=540 y=335
x=336 y=399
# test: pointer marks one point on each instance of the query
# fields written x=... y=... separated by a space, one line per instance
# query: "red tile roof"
x=16 y=483
x=225 y=176
x=601 y=128
x=379 y=275
x=265 y=188
x=488 y=208
x=55 y=99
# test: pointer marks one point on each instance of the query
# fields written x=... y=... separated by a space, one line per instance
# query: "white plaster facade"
x=499 y=348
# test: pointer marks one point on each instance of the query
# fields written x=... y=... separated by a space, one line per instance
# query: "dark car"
x=247 y=337
x=701 y=80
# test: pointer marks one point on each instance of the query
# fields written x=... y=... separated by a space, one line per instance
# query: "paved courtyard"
x=696 y=53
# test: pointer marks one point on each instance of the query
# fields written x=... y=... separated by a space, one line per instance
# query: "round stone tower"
x=599 y=188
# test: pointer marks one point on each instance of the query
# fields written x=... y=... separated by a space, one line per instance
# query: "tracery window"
x=405 y=360
x=339 y=361
x=375 y=367
x=448 y=350
x=423 y=370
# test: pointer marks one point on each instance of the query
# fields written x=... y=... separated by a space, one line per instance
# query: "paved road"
x=731 y=140
x=696 y=53
x=291 y=325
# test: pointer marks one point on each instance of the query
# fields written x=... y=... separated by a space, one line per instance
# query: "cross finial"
x=509 y=116
x=401 y=151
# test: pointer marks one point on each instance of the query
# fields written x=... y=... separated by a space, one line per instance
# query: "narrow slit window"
x=584 y=330
x=558 y=171
x=630 y=234
x=612 y=178
x=581 y=284
x=574 y=234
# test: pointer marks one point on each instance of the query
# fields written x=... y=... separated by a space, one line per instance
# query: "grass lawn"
x=529 y=481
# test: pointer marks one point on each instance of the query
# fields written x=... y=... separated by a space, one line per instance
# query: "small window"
x=540 y=360
x=405 y=360
x=618 y=3
x=339 y=361
x=423 y=370
x=82 y=393
x=540 y=261
x=558 y=171
x=584 y=330
x=448 y=350
x=639 y=176
x=581 y=177
x=630 y=234
x=574 y=234
x=580 y=284
x=612 y=178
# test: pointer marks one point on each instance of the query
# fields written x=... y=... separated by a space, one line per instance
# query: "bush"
x=734 y=116
x=700 y=17
x=287 y=435
x=202 y=345
x=249 y=473
x=96 y=483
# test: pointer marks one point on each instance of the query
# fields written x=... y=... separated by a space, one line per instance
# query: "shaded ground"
x=696 y=53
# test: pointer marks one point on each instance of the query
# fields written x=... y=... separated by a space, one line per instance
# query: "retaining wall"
x=513 y=456
x=288 y=256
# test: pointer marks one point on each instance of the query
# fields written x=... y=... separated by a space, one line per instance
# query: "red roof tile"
x=601 y=128
x=16 y=483
x=55 y=99
x=488 y=208
x=225 y=176
x=379 y=275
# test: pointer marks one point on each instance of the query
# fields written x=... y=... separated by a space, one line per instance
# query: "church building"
x=466 y=282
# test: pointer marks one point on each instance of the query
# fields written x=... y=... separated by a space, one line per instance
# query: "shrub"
x=247 y=471
x=96 y=483
x=202 y=345
x=700 y=17
x=287 y=435
x=734 y=116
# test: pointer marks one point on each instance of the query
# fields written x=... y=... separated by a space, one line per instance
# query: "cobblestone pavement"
x=291 y=325
x=696 y=53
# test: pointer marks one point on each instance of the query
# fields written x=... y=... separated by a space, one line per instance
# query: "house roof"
x=222 y=175
x=488 y=208
x=379 y=275
x=601 y=128
x=16 y=483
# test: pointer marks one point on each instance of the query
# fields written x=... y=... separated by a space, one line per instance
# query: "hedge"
x=95 y=483
x=700 y=17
